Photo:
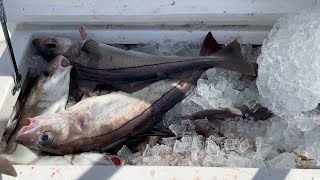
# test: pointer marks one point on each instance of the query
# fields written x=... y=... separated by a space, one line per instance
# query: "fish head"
x=50 y=47
x=56 y=80
x=52 y=133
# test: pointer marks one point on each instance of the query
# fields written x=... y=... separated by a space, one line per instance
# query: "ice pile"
x=218 y=89
x=289 y=66
x=246 y=144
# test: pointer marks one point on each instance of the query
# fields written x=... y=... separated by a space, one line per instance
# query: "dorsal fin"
x=209 y=46
x=91 y=47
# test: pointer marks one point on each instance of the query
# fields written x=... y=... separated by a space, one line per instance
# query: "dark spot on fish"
x=173 y=3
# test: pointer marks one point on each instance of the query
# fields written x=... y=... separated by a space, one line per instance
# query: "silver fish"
x=97 y=122
x=49 y=95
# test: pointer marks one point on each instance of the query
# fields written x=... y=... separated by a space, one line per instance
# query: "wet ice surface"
x=288 y=78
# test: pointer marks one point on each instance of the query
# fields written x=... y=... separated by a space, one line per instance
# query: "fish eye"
x=51 y=45
x=45 y=138
x=46 y=73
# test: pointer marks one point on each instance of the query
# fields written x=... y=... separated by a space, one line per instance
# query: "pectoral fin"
x=92 y=48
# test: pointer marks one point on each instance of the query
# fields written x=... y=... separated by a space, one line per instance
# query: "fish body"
x=49 y=95
x=96 y=122
x=101 y=63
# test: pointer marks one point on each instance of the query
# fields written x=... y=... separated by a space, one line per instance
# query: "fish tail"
x=234 y=60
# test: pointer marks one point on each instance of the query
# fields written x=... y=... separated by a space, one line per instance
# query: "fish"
x=48 y=95
x=96 y=122
x=96 y=63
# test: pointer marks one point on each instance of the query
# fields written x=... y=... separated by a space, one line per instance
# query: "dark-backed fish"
x=100 y=63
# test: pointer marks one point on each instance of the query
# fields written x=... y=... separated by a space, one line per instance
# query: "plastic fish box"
x=138 y=21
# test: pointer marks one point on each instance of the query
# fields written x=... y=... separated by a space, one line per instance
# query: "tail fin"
x=233 y=59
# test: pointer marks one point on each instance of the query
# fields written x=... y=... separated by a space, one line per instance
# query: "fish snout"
x=64 y=62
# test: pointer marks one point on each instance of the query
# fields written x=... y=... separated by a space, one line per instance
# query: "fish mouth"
x=25 y=129
x=64 y=62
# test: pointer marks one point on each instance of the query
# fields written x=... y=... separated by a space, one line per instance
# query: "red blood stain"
x=116 y=161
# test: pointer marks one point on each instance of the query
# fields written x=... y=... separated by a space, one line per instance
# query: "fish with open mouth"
x=48 y=95
x=97 y=122
x=96 y=63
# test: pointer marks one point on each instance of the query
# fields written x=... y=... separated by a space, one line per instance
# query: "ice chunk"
x=276 y=129
x=156 y=155
x=183 y=146
x=153 y=140
x=244 y=145
x=233 y=128
x=264 y=150
x=284 y=160
x=221 y=89
x=185 y=128
x=197 y=150
x=312 y=143
x=169 y=141
x=239 y=145
x=236 y=160
x=289 y=77
x=293 y=138
x=125 y=153
x=230 y=144
x=214 y=156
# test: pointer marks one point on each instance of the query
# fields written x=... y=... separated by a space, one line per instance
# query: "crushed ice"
x=279 y=142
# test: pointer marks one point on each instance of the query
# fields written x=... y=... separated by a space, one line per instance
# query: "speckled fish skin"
x=99 y=121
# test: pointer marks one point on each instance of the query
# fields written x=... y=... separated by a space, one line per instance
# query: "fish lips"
x=23 y=136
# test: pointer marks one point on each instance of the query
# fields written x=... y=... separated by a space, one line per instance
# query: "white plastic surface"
x=177 y=12
x=158 y=172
